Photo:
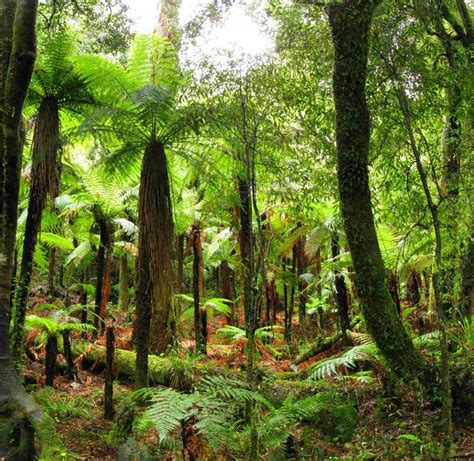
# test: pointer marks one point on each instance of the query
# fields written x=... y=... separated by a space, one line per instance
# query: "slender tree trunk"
x=301 y=283
x=245 y=243
x=124 y=275
x=341 y=289
x=350 y=24
x=106 y=287
x=44 y=183
x=180 y=256
x=104 y=269
x=444 y=371
x=291 y=305
x=227 y=290
x=449 y=213
x=285 y=303
x=51 y=359
x=70 y=371
x=154 y=262
x=199 y=321
x=109 y=374
x=83 y=302
x=17 y=56
x=467 y=283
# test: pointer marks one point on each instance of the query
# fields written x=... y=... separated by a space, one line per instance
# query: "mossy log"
x=19 y=411
x=162 y=370
x=323 y=344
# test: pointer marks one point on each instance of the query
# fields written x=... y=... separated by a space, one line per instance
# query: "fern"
x=233 y=390
x=168 y=409
x=348 y=359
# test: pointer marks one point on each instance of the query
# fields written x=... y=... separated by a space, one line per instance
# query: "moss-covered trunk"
x=44 y=183
x=17 y=56
x=350 y=24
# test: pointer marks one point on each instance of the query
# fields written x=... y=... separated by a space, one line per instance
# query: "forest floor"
x=384 y=431
x=387 y=428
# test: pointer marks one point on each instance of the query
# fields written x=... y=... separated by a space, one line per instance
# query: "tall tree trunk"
x=106 y=286
x=441 y=320
x=449 y=212
x=467 y=282
x=154 y=262
x=341 y=289
x=124 y=297
x=17 y=56
x=246 y=255
x=350 y=24
x=44 y=183
x=168 y=23
x=301 y=264
x=104 y=268
x=200 y=324
x=180 y=257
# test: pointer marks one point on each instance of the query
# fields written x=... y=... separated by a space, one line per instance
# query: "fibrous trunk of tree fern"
x=44 y=183
x=154 y=263
x=350 y=24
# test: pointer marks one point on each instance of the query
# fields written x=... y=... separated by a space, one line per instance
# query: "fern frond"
x=348 y=359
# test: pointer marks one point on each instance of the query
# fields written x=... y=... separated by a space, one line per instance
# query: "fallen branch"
x=323 y=344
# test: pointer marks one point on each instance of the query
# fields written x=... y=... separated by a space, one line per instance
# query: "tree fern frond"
x=348 y=359
x=168 y=408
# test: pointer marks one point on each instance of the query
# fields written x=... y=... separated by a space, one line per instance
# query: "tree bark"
x=51 y=359
x=109 y=374
x=104 y=268
x=199 y=322
x=467 y=282
x=154 y=263
x=350 y=24
x=124 y=297
x=246 y=255
x=70 y=372
x=227 y=289
x=17 y=56
x=44 y=183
